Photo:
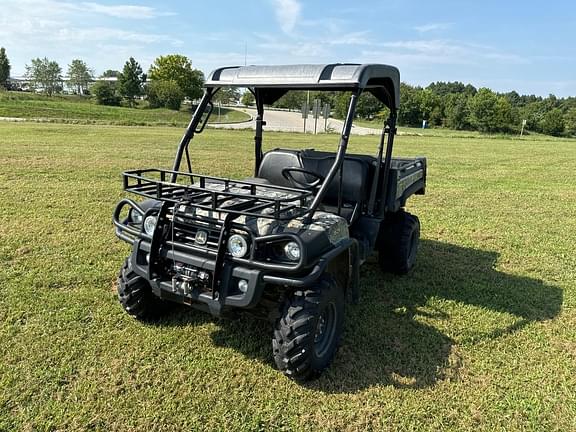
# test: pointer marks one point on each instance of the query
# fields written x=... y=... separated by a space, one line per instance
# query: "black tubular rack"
x=240 y=197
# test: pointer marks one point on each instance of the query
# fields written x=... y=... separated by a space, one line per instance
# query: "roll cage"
x=270 y=83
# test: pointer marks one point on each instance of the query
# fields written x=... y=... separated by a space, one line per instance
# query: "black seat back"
x=355 y=179
x=274 y=161
x=355 y=183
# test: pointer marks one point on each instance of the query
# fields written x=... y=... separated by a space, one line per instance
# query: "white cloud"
x=287 y=14
x=63 y=8
x=331 y=24
x=440 y=51
x=430 y=27
x=123 y=11
x=96 y=34
x=353 y=38
x=63 y=30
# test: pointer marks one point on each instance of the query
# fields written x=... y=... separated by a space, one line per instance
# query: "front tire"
x=136 y=297
x=398 y=243
x=308 y=332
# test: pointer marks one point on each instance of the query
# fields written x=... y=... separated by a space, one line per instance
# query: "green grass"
x=74 y=109
x=480 y=336
x=451 y=133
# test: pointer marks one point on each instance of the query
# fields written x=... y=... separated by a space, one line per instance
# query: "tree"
x=456 y=111
x=45 y=75
x=227 y=95
x=178 y=68
x=489 y=112
x=167 y=94
x=341 y=104
x=292 y=100
x=553 y=122
x=506 y=117
x=430 y=106
x=4 y=68
x=570 y=121
x=368 y=106
x=110 y=73
x=105 y=93
x=247 y=98
x=533 y=112
x=130 y=81
x=410 y=113
x=79 y=76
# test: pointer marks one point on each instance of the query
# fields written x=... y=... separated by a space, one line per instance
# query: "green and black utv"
x=285 y=244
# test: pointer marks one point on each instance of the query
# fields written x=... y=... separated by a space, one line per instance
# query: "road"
x=286 y=121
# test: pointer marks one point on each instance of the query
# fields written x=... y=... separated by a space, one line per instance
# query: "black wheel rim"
x=325 y=330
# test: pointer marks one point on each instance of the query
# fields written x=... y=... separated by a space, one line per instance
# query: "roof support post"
x=189 y=134
x=258 y=136
x=388 y=159
x=338 y=162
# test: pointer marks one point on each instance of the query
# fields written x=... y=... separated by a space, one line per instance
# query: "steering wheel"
x=287 y=174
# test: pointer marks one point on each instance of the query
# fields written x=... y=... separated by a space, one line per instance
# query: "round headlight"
x=135 y=216
x=237 y=245
x=292 y=251
x=150 y=224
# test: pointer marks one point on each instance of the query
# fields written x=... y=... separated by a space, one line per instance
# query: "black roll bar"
x=258 y=135
x=388 y=159
x=338 y=162
x=189 y=133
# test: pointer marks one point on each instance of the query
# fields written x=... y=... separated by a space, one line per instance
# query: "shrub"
x=105 y=94
x=166 y=94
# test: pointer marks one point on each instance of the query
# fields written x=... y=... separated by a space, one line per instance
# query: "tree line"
x=171 y=79
x=453 y=105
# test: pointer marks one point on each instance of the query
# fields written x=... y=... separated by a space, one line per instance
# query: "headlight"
x=292 y=251
x=237 y=245
x=150 y=224
x=136 y=217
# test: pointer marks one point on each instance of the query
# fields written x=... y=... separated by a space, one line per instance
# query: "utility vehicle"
x=285 y=244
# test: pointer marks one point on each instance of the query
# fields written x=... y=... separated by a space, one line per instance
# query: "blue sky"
x=529 y=46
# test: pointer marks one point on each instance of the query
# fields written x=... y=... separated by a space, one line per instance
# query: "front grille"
x=184 y=230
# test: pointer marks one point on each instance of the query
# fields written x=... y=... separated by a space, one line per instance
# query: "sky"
x=528 y=46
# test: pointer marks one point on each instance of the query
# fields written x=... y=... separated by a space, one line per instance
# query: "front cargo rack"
x=241 y=197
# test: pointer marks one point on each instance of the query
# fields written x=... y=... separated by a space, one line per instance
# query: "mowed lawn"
x=82 y=110
x=480 y=336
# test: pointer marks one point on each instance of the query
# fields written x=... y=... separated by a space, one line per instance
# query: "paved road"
x=286 y=121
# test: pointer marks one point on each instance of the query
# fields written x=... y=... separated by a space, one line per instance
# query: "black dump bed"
x=407 y=177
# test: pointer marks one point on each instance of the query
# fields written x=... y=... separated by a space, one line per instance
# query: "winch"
x=186 y=278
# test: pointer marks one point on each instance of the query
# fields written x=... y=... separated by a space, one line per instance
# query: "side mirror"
x=205 y=116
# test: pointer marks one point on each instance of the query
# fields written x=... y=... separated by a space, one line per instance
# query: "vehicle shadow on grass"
x=394 y=337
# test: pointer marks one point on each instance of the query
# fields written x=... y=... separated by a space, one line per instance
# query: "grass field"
x=480 y=336
x=74 y=109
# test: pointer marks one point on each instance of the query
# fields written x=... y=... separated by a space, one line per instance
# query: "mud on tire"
x=307 y=334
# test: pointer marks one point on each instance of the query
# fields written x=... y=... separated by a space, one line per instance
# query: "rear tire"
x=136 y=297
x=398 y=243
x=307 y=334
